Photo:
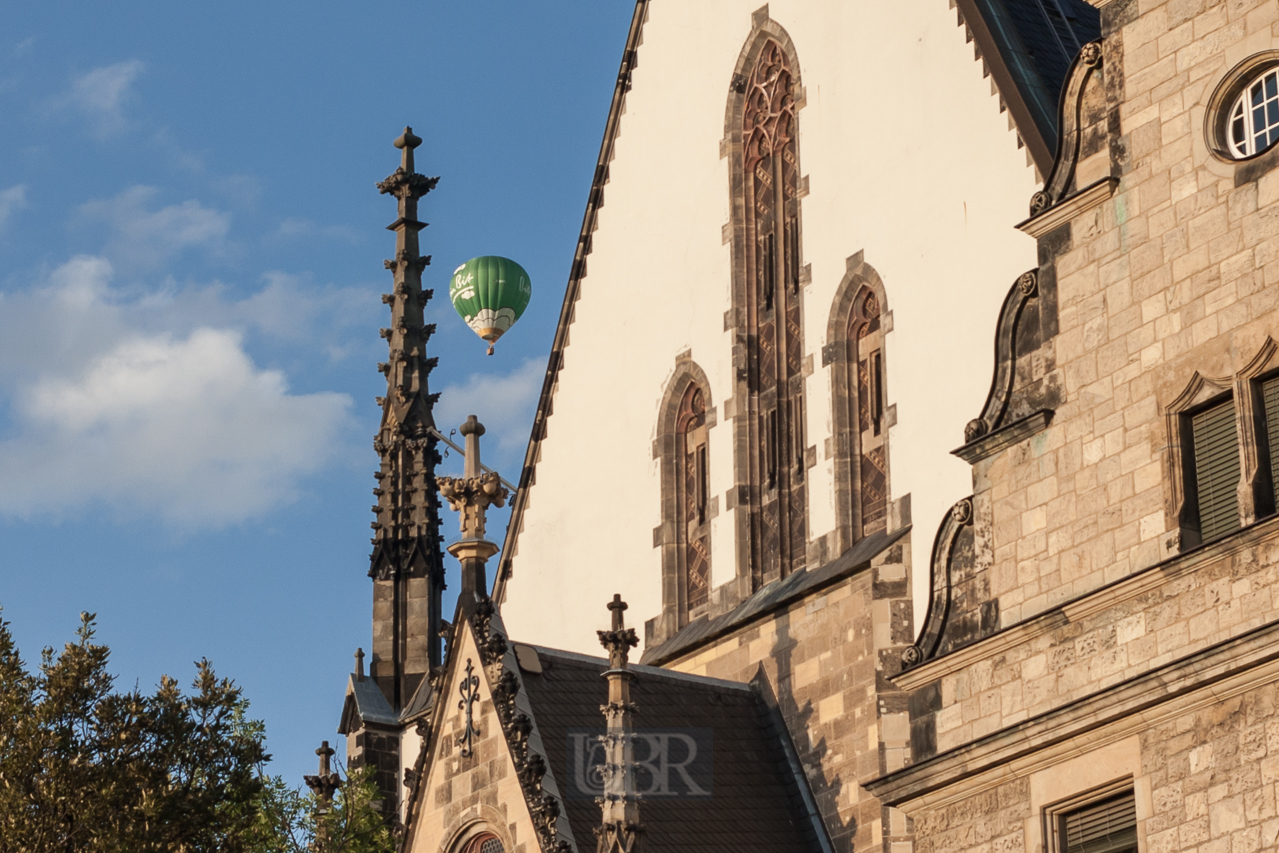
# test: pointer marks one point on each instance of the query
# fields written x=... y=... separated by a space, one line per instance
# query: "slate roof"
x=759 y=801
x=1028 y=46
x=365 y=702
x=774 y=596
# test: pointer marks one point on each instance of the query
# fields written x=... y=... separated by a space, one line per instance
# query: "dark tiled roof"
x=365 y=704
x=756 y=802
x=773 y=596
x=1030 y=45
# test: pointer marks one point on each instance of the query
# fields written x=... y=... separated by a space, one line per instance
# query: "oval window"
x=1253 y=122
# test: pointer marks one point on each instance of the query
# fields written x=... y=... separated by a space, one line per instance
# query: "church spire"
x=406 y=564
x=620 y=829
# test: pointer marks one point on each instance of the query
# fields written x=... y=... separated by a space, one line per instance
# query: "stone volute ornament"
x=471 y=495
x=620 y=829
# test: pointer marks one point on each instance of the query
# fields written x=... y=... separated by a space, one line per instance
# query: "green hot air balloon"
x=490 y=294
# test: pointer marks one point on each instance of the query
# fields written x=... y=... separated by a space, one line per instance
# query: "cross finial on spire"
x=359 y=663
x=406 y=142
x=326 y=782
x=471 y=495
x=620 y=639
x=620 y=829
x=618 y=607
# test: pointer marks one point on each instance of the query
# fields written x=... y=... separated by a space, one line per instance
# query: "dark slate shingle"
x=754 y=805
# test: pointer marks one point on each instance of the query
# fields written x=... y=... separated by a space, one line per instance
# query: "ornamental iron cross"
x=470 y=693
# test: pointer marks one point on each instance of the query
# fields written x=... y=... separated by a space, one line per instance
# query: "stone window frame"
x=859 y=278
x=1054 y=813
x=747 y=496
x=675 y=611
x=1222 y=102
x=476 y=843
x=1255 y=491
x=482 y=824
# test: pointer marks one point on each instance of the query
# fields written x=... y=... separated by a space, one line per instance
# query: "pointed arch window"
x=770 y=317
x=682 y=449
x=857 y=331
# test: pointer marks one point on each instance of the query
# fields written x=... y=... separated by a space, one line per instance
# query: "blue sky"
x=190 y=271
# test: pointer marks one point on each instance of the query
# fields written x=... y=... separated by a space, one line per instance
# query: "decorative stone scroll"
x=980 y=434
x=1070 y=138
x=925 y=648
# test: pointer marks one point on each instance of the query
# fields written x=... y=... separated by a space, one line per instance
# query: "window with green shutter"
x=1109 y=826
x=1270 y=402
x=1216 y=469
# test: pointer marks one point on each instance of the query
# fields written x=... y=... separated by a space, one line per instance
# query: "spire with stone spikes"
x=471 y=495
x=620 y=830
x=406 y=565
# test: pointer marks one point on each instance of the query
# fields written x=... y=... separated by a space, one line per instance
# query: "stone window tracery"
x=484 y=843
x=693 y=499
x=771 y=318
x=682 y=449
x=866 y=345
x=857 y=331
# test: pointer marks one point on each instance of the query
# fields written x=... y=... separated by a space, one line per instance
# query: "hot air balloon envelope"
x=490 y=294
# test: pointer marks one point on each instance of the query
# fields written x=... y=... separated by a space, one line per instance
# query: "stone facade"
x=825 y=659
x=1120 y=651
x=479 y=790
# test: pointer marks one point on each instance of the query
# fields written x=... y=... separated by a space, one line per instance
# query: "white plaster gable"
x=907 y=159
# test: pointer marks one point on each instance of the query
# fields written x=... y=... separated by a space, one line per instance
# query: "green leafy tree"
x=85 y=768
x=352 y=823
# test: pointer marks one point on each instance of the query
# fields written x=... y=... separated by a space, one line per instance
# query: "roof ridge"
x=644 y=669
x=594 y=201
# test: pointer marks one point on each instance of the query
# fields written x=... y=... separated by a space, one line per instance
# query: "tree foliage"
x=86 y=768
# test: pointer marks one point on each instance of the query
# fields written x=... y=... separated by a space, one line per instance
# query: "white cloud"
x=14 y=198
x=505 y=404
x=182 y=425
x=144 y=239
x=100 y=95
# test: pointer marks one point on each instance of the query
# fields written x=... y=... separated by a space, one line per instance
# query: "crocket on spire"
x=406 y=565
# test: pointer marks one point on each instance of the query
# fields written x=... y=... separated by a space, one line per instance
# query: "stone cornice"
x=1200 y=680
x=1004 y=437
x=1112 y=595
x=1069 y=208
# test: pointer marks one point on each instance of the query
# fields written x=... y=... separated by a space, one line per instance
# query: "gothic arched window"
x=769 y=314
x=682 y=449
x=693 y=527
x=856 y=333
x=866 y=355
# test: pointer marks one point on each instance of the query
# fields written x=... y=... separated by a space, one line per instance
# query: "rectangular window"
x=877 y=391
x=797 y=429
x=768 y=268
x=1270 y=404
x=1215 y=447
x=1109 y=826
x=792 y=254
x=701 y=484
